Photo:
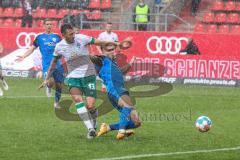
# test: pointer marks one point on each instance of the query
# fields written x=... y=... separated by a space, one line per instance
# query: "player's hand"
x=133 y=60
x=19 y=59
x=126 y=43
x=45 y=82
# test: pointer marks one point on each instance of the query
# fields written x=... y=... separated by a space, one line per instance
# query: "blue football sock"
x=58 y=93
x=124 y=117
x=131 y=125
x=114 y=126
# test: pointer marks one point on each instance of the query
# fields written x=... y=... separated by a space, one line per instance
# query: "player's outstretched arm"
x=128 y=66
x=49 y=73
x=26 y=54
x=103 y=43
x=99 y=49
x=126 y=43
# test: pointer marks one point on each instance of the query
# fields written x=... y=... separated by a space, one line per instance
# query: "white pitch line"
x=26 y=97
x=170 y=154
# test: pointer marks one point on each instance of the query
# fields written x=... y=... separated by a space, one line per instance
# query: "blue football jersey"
x=46 y=44
x=111 y=74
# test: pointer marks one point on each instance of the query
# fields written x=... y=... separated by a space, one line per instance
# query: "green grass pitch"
x=30 y=130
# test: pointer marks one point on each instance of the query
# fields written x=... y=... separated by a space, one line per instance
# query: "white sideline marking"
x=26 y=97
x=170 y=154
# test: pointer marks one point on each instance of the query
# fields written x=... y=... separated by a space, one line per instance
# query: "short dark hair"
x=65 y=26
x=46 y=20
x=110 y=23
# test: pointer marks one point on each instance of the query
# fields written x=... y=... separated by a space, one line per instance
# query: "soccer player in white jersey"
x=107 y=35
x=110 y=36
x=81 y=76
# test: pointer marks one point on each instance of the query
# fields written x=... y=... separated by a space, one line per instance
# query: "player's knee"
x=137 y=123
x=77 y=99
x=90 y=106
x=135 y=118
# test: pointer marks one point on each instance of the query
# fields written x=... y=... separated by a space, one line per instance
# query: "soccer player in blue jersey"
x=46 y=42
x=112 y=76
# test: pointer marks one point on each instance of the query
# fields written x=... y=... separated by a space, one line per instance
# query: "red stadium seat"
x=221 y=17
x=1 y=22
x=40 y=23
x=75 y=11
x=212 y=28
x=62 y=13
x=199 y=28
x=223 y=29
x=87 y=13
x=8 y=23
x=8 y=12
x=233 y=18
x=51 y=13
x=18 y=23
x=1 y=11
x=106 y=4
x=40 y=13
x=18 y=12
x=34 y=23
x=218 y=6
x=230 y=6
x=94 y=4
x=55 y=24
x=235 y=29
x=237 y=6
x=208 y=17
x=96 y=15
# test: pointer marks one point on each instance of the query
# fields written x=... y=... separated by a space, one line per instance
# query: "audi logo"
x=165 y=45
x=24 y=40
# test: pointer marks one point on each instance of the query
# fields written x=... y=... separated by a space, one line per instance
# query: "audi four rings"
x=172 y=45
x=27 y=39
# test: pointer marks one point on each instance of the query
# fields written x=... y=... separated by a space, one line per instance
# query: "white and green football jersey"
x=76 y=56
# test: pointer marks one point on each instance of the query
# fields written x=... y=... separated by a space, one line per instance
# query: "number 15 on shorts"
x=91 y=86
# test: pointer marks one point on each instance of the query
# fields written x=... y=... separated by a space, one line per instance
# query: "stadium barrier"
x=157 y=55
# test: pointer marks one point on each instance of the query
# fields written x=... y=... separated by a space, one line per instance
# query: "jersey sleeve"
x=57 y=52
x=36 y=42
x=58 y=38
x=86 y=39
x=100 y=37
x=116 y=38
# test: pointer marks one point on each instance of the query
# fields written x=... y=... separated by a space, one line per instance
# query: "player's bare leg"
x=82 y=111
x=125 y=102
x=3 y=82
x=58 y=91
x=48 y=86
x=92 y=110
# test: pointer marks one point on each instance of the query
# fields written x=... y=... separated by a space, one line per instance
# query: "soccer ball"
x=203 y=123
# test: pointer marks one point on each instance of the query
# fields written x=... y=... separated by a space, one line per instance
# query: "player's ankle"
x=122 y=131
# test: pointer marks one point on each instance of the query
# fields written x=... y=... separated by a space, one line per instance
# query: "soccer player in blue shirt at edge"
x=46 y=42
x=112 y=76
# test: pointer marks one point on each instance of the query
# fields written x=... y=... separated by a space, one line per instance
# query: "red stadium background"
x=219 y=59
